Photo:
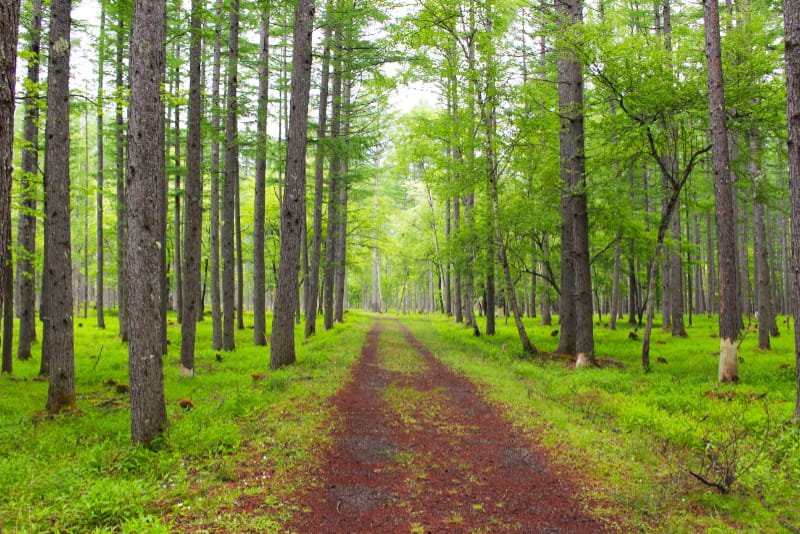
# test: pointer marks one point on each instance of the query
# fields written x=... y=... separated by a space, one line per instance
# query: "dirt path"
x=418 y=450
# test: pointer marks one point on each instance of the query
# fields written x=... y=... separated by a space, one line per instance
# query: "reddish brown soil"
x=443 y=461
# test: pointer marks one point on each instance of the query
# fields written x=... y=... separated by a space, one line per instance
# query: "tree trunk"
x=176 y=251
x=145 y=176
x=57 y=340
x=99 y=299
x=26 y=229
x=193 y=236
x=334 y=171
x=259 y=268
x=283 y=350
x=312 y=287
x=227 y=234
x=8 y=311
x=122 y=223
x=726 y=224
x=791 y=20
x=343 y=189
x=612 y=321
x=576 y=294
x=469 y=302
x=676 y=274
x=213 y=242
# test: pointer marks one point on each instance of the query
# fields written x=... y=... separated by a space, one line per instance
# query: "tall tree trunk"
x=469 y=297
x=458 y=306
x=122 y=222
x=99 y=299
x=146 y=174
x=26 y=229
x=763 y=297
x=213 y=241
x=259 y=269
x=239 y=258
x=729 y=319
x=577 y=329
x=176 y=251
x=791 y=20
x=8 y=311
x=312 y=287
x=676 y=274
x=9 y=28
x=227 y=234
x=193 y=236
x=57 y=340
x=331 y=241
x=282 y=349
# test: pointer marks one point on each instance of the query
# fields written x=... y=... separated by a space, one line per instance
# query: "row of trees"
x=580 y=162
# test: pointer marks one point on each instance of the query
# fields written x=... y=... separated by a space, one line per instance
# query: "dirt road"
x=418 y=450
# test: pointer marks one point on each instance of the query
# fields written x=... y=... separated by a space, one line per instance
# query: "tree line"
x=581 y=160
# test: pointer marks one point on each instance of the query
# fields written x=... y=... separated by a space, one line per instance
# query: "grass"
x=77 y=472
x=245 y=449
x=639 y=435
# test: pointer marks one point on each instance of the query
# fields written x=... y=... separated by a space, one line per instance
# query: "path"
x=418 y=450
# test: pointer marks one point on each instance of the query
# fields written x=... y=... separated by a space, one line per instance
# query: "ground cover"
x=641 y=435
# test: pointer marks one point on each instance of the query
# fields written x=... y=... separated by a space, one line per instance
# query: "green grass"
x=77 y=472
x=638 y=435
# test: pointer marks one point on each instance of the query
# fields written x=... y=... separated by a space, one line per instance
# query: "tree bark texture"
x=227 y=234
x=193 y=235
x=146 y=176
x=723 y=194
x=57 y=339
x=312 y=287
x=26 y=228
x=761 y=271
x=259 y=273
x=213 y=240
x=9 y=24
x=100 y=298
x=791 y=20
x=122 y=224
x=283 y=349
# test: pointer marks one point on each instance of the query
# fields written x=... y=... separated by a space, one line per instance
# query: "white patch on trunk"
x=728 y=360
x=582 y=361
x=185 y=372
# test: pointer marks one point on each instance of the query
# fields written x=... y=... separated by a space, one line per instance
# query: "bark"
x=341 y=232
x=283 y=349
x=577 y=335
x=259 y=272
x=192 y=237
x=791 y=20
x=122 y=224
x=457 y=304
x=26 y=229
x=615 y=298
x=331 y=241
x=99 y=300
x=239 y=259
x=146 y=174
x=9 y=27
x=227 y=234
x=176 y=250
x=469 y=301
x=726 y=224
x=761 y=271
x=448 y=291
x=312 y=287
x=676 y=276
x=57 y=340
x=213 y=243
x=8 y=312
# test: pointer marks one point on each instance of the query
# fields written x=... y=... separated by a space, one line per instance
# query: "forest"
x=609 y=185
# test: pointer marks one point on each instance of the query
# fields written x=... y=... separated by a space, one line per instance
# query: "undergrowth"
x=77 y=472
x=672 y=449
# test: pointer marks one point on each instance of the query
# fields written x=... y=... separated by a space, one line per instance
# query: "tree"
x=57 y=340
x=101 y=50
x=26 y=220
x=259 y=283
x=282 y=351
x=576 y=273
x=213 y=240
x=192 y=237
x=145 y=196
x=791 y=21
x=729 y=318
x=230 y=184
x=9 y=23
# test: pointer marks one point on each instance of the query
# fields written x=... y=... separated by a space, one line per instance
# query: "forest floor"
x=415 y=448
